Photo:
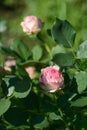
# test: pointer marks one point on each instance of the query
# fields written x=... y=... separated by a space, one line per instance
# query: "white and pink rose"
x=31 y=25
x=51 y=79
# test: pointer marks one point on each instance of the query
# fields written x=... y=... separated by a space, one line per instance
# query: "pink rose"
x=51 y=79
x=31 y=24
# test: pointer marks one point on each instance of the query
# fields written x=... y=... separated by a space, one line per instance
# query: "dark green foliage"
x=23 y=103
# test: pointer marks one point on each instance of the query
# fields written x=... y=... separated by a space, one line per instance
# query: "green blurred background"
x=13 y=11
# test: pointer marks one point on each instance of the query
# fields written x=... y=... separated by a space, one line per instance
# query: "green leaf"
x=81 y=102
x=3 y=25
x=40 y=122
x=21 y=94
x=7 y=51
x=63 y=33
x=71 y=72
x=58 y=49
x=20 y=48
x=4 y=105
x=37 y=52
x=81 y=79
x=83 y=64
x=82 y=50
x=22 y=86
x=41 y=63
x=54 y=116
x=10 y=91
x=64 y=59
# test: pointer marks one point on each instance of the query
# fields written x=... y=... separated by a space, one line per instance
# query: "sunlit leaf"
x=58 y=49
x=54 y=116
x=63 y=33
x=10 y=91
x=4 y=105
x=82 y=50
x=81 y=79
x=40 y=122
x=37 y=52
x=81 y=102
x=3 y=25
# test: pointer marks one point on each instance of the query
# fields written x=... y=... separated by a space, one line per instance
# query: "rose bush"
x=46 y=88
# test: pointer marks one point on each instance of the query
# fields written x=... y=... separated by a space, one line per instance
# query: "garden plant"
x=45 y=87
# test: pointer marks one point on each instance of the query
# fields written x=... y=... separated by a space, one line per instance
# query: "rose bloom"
x=51 y=79
x=31 y=71
x=31 y=25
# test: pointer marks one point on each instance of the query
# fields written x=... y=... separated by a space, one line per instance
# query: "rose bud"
x=10 y=62
x=51 y=79
x=31 y=70
x=31 y=25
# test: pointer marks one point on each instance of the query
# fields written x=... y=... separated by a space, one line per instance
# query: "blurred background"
x=12 y=13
